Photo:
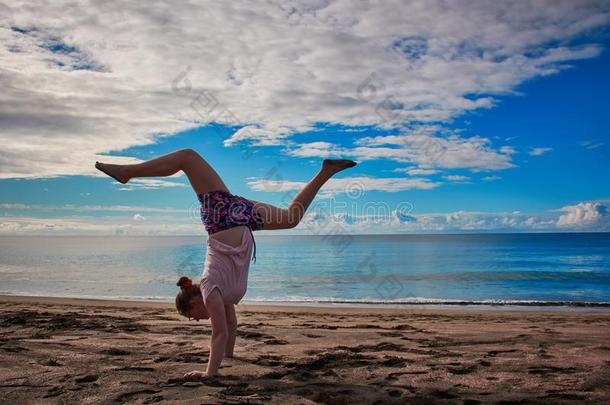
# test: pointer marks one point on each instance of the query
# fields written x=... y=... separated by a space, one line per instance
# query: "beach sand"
x=93 y=351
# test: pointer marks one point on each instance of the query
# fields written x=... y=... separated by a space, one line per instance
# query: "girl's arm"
x=220 y=335
x=232 y=329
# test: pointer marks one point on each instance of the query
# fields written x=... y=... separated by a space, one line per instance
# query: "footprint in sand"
x=115 y=352
x=380 y=347
x=192 y=357
x=275 y=342
x=390 y=334
x=268 y=361
x=302 y=375
x=89 y=378
x=405 y=327
x=394 y=393
x=14 y=349
x=185 y=381
x=134 y=368
x=246 y=334
x=332 y=396
x=130 y=396
x=462 y=370
x=240 y=389
x=274 y=375
x=365 y=326
x=336 y=358
x=392 y=361
x=51 y=363
x=494 y=353
x=544 y=370
x=54 y=392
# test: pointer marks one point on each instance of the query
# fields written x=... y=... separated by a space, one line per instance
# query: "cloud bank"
x=81 y=80
x=323 y=218
x=591 y=215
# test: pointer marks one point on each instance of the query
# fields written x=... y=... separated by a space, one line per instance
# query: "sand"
x=88 y=351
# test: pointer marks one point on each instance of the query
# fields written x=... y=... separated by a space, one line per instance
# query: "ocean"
x=536 y=269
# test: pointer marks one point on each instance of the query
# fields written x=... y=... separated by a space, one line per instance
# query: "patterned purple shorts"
x=222 y=210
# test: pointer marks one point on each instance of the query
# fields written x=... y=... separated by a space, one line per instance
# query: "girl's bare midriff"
x=231 y=236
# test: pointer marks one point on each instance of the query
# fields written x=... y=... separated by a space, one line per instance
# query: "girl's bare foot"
x=115 y=171
x=336 y=165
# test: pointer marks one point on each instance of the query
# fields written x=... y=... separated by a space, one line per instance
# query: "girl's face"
x=197 y=309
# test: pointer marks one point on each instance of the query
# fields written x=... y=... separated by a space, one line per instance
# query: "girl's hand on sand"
x=196 y=375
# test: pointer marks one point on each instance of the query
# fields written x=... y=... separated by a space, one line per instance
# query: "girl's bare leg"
x=202 y=176
x=283 y=218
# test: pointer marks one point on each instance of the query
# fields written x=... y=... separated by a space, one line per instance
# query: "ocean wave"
x=323 y=301
x=425 y=301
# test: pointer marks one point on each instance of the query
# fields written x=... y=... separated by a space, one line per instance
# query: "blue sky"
x=524 y=129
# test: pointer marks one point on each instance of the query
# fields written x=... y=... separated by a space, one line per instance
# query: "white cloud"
x=585 y=214
x=456 y=178
x=150 y=184
x=96 y=225
x=262 y=136
x=508 y=150
x=349 y=185
x=386 y=221
x=416 y=172
x=539 y=151
x=316 y=149
x=75 y=87
x=492 y=178
x=321 y=218
x=428 y=150
x=421 y=145
x=590 y=144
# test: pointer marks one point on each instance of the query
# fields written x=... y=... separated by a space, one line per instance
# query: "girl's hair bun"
x=184 y=282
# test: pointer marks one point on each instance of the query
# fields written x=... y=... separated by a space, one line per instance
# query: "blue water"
x=547 y=268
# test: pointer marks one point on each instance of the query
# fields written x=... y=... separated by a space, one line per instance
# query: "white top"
x=226 y=268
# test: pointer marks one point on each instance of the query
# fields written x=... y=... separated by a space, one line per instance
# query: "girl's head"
x=189 y=301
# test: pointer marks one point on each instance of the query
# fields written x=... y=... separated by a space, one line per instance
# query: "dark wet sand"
x=87 y=351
